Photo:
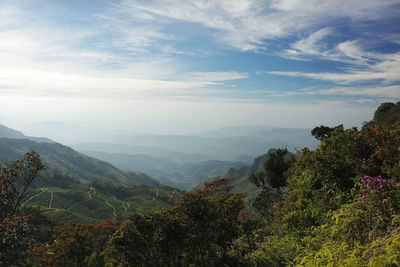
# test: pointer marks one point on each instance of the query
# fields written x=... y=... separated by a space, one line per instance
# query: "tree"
x=76 y=245
x=323 y=132
x=198 y=230
x=15 y=177
x=257 y=179
x=265 y=201
x=275 y=168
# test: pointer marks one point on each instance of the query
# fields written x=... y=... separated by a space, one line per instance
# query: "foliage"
x=387 y=115
x=322 y=132
x=216 y=186
x=15 y=177
x=264 y=202
x=197 y=230
x=16 y=241
x=75 y=244
x=274 y=169
x=341 y=206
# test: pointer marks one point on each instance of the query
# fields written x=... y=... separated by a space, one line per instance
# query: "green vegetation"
x=387 y=116
x=65 y=199
x=336 y=206
x=78 y=165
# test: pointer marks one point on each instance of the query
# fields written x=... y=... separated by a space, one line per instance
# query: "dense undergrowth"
x=335 y=206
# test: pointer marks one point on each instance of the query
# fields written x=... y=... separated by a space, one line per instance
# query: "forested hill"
x=80 y=188
x=10 y=133
x=79 y=166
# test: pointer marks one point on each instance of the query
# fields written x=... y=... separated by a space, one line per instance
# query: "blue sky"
x=174 y=65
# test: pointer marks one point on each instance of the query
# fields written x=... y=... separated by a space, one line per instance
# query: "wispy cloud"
x=383 y=92
x=364 y=100
x=102 y=85
x=309 y=46
x=330 y=102
x=386 y=91
x=248 y=25
x=217 y=76
x=362 y=65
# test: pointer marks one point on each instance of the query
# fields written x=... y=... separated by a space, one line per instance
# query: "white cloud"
x=364 y=100
x=368 y=66
x=384 y=91
x=246 y=24
x=389 y=92
x=330 y=102
x=310 y=45
x=217 y=76
x=108 y=85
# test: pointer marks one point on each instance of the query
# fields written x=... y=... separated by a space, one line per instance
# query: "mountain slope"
x=63 y=198
x=80 y=166
x=10 y=133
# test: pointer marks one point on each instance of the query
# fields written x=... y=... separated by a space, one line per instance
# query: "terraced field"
x=97 y=202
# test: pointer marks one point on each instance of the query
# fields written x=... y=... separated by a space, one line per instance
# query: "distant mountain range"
x=83 y=188
x=184 y=161
x=167 y=171
x=215 y=146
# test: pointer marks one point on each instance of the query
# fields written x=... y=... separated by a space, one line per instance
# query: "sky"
x=179 y=66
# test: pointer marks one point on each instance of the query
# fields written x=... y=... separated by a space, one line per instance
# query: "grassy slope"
x=80 y=166
x=65 y=199
x=80 y=188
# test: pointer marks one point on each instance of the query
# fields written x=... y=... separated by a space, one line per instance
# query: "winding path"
x=111 y=206
x=91 y=189
x=35 y=195
x=51 y=198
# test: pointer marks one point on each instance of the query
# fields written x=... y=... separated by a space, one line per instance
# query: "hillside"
x=387 y=116
x=79 y=166
x=10 y=133
x=63 y=198
x=81 y=188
